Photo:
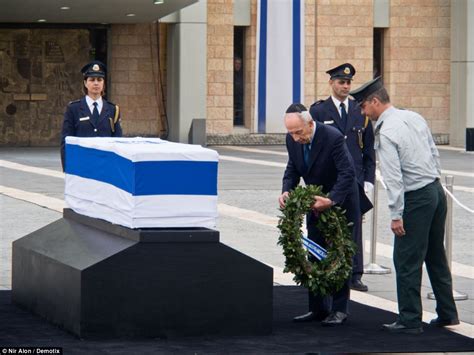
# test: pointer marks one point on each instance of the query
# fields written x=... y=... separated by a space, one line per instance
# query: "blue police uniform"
x=358 y=133
x=359 y=138
x=79 y=121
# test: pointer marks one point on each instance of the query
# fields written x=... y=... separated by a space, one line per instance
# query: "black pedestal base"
x=98 y=279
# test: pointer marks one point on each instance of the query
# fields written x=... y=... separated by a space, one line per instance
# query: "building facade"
x=204 y=61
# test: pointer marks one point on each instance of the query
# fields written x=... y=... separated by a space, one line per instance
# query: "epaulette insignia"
x=73 y=102
x=317 y=103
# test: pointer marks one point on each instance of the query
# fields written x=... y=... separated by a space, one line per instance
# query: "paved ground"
x=31 y=193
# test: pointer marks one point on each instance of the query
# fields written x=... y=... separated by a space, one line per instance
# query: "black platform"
x=96 y=279
x=361 y=334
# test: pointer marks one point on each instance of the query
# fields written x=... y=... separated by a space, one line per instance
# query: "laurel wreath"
x=328 y=275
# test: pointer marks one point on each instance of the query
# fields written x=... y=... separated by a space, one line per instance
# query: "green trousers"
x=424 y=217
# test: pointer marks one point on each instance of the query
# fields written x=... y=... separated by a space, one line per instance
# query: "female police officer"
x=91 y=116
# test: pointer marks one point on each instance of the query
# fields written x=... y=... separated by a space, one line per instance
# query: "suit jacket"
x=78 y=122
x=357 y=133
x=330 y=166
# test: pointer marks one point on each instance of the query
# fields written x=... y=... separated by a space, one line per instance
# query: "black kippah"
x=296 y=107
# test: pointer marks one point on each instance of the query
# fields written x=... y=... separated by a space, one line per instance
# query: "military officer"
x=92 y=115
x=345 y=114
x=410 y=166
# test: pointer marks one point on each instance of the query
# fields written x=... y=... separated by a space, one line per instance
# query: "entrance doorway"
x=378 y=52
x=239 y=85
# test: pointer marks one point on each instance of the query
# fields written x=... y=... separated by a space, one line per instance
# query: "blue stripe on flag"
x=296 y=51
x=177 y=177
x=262 y=68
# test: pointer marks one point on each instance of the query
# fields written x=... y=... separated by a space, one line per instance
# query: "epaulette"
x=317 y=103
x=74 y=102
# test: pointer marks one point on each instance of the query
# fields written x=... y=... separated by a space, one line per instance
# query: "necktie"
x=306 y=150
x=95 y=113
x=343 y=115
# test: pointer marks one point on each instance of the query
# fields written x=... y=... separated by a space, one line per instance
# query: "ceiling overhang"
x=88 y=11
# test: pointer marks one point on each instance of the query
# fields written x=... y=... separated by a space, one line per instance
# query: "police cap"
x=362 y=93
x=94 y=69
x=343 y=71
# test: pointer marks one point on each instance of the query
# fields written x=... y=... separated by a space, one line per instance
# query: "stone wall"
x=417 y=62
x=135 y=80
x=310 y=52
x=220 y=66
x=344 y=33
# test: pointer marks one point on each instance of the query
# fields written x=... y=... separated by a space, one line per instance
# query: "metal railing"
x=372 y=267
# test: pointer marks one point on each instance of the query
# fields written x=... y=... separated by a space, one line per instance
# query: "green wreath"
x=328 y=275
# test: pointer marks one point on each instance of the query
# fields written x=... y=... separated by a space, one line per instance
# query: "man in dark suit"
x=317 y=153
x=345 y=114
x=91 y=116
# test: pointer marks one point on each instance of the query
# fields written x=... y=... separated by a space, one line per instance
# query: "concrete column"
x=462 y=74
x=187 y=69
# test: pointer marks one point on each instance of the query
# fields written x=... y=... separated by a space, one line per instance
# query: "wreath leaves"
x=328 y=275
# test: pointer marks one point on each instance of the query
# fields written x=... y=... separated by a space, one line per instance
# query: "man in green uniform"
x=410 y=167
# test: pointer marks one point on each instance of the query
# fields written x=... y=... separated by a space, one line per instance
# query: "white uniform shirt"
x=409 y=159
x=90 y=104
x=337 y=103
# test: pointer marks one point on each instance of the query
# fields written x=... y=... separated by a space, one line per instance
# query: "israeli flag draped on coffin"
x=142 y=182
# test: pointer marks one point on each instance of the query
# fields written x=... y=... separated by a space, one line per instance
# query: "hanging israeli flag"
x=142 y=182
x=314 y=248
x=280 y=61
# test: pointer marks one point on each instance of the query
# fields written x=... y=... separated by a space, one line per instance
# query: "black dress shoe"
x=358 y=285
x=310 y=317
x=396 y=327
x=438 y=322
x=335 y=318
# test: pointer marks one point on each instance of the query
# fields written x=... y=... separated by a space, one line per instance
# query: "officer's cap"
x=94 y=69
x=362 y=93
x=343 y=71
x=296 y=107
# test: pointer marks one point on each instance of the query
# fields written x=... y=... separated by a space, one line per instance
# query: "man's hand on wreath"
x=321 y=203
x=282 y=199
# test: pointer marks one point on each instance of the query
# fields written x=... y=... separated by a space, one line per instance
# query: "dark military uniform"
x=358 y=133
x=79 y=121
x=359 y=137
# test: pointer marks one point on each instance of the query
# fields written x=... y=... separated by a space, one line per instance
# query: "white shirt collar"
x=90 y=103
x=338 y=103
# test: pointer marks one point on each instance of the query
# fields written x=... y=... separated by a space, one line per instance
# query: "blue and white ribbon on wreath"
x=314 y=248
